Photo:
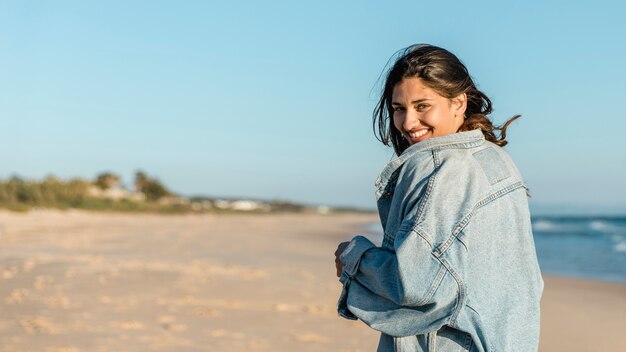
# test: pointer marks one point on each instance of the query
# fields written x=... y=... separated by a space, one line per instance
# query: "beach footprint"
x=222 y=333
x=37 y=324
x=128 y=325
x=62 y=349
x=17 y=296
x=310 y=337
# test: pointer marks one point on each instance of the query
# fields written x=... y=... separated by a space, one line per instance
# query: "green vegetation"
x=106 y=193
x=17 y=193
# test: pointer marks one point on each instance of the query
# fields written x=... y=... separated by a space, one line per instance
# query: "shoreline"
x=79 y=280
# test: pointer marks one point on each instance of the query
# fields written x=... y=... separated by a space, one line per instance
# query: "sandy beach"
x=83 y=281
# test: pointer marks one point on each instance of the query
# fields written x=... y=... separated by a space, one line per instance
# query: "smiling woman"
x=457 y=268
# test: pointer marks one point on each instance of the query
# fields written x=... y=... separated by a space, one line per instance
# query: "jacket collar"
x=468 y=139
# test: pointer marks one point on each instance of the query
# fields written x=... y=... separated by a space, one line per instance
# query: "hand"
x=338 y=264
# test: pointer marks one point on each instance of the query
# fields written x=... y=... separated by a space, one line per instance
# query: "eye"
x=398 y=108
x=421 y=107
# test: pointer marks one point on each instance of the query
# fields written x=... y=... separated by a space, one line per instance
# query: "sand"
x=82 y=281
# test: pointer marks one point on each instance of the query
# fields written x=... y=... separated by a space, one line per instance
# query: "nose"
x=411 y=120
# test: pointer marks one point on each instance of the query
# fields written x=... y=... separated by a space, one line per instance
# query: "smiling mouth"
x=418 y=134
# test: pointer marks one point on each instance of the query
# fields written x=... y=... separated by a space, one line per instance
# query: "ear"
x=459 y=104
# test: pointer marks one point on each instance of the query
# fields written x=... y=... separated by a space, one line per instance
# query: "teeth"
x=418 y=133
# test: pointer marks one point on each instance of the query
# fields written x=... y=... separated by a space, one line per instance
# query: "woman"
x=457 y=268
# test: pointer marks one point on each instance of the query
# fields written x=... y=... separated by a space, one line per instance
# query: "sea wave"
x=544 y=225
x=600 y=225
x=620 y=246
x=619 y=243
x=581 y=226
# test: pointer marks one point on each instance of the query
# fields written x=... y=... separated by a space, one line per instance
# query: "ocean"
x=587 y=247
x=591 y=247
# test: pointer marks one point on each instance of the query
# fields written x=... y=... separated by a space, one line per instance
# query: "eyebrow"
x=413 y=102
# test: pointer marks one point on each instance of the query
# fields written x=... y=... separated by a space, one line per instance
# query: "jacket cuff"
x=342 y=304
x=351 y=256
x=350 y=259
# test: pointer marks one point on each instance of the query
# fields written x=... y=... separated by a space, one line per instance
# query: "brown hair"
x=442 y=71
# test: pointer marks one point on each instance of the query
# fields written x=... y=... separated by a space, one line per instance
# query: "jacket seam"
x=461 y=292
x=461 y=144
x=433 y=288
x=427 y=193
x=436 y=158
x=424 y=237
x=466 y=219
x=387 y=237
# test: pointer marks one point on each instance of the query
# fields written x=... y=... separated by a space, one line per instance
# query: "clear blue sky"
x=273 y=99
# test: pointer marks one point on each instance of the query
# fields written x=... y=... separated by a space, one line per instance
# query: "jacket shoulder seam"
x=429 y=188
x=441 y=249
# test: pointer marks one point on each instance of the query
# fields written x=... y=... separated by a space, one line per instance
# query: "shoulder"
x=484 y=166
x=463 y=178
x=419 y=166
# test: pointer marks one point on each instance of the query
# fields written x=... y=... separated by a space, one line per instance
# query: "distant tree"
x=155 y=190
x=107 y=180
x=16 y=179
x=20 y=190
x=141 y=180
x=151 y=187
x=26 y=193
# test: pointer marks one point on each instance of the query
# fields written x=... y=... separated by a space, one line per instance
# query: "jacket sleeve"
x=400 y=294
x=404 y=292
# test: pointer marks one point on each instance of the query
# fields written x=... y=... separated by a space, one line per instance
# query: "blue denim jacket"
x=457 y=269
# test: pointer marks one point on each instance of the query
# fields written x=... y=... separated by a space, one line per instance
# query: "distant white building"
x=241 y=205
x=323 y=209
x=115 y=193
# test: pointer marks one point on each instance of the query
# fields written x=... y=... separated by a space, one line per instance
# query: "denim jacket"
x=457 y=269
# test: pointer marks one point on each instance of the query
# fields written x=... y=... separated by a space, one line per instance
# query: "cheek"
x=398 y=121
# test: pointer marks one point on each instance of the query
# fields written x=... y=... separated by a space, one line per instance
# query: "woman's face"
x=419 y=112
